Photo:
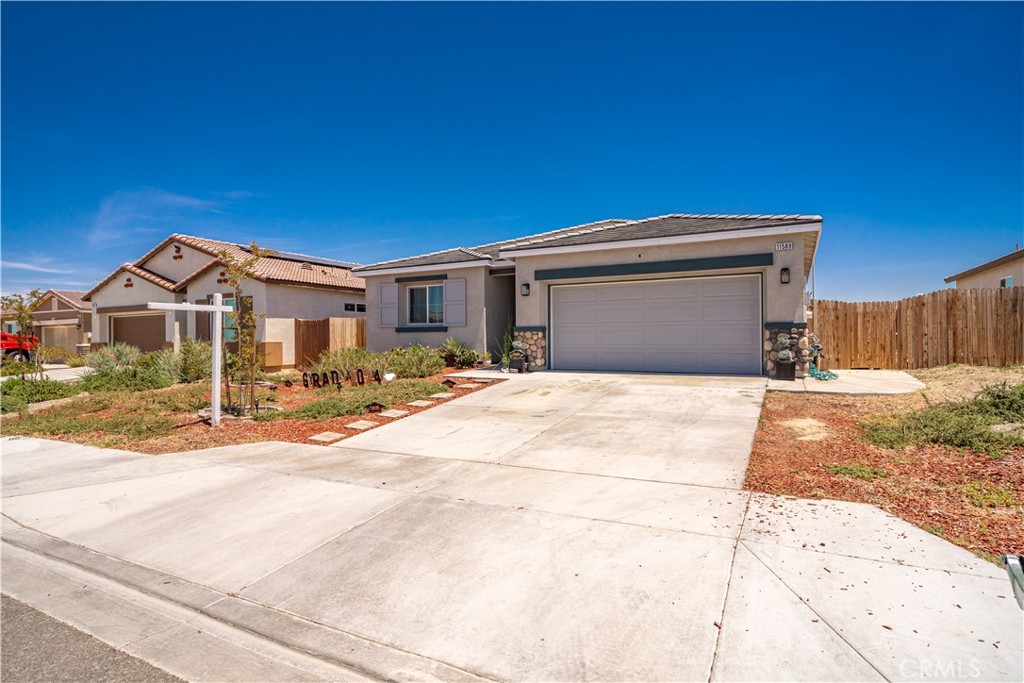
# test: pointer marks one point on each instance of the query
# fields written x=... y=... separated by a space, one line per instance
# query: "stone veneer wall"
x=800 y=350
x=534 y=345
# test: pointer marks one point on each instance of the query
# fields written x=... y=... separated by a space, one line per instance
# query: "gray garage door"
x=143 y=331
x=710 y=325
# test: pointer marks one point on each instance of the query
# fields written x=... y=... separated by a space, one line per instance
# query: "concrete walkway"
x=531 y=531
x=854 y=382
x=61 y=373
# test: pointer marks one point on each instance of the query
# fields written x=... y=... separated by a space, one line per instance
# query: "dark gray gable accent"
x=652 y=267
x=502 y=271
x=421 y=278
x=529 y=328
x=422 y=328
x=790 y=325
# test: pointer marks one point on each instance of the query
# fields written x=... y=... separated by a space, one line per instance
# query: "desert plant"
x=75 y=361
x=414 y=361
x=466 y=358
x=118 y=355
x=126 y=379
x=195 y=360
x=506 y=343
x=785 y=356
x=17 y=393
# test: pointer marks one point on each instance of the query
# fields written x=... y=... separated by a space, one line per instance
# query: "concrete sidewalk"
x=556 y=549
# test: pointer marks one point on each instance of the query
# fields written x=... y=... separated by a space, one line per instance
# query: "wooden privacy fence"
x=313 y=337
x=967 y=326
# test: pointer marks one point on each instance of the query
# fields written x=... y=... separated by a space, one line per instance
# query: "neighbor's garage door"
x=687 y=325
x=59 y=336
x=143 y=331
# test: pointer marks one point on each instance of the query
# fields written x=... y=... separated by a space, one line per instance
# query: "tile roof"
x=1006 y=258
x=611 y=230
x=283 y=268
x=73 y=297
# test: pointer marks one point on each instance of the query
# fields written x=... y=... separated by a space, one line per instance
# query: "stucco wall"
x=282 y=330
x=163 y=262
x=500 y=301
x=990 y=278
x=782 y=302
x=115 y=294
x=286 y=301
x=473 y=334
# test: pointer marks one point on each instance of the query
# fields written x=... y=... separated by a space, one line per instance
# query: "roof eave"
x=422 y=268
x=1012 y=256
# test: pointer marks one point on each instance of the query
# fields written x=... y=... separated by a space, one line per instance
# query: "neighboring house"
x=62 y=319
x=1005 y=271
x=676 y=293
x=183 y=268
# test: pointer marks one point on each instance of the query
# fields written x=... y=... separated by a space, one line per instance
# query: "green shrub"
x=126 y=379
x=13 y=367
x=342 y=360
x=857 y=471
x=414 y=361
x=16 y=394
x=195 y=360
x=984 y=494
x=962 y=424
x=75 y=361
x=112 y=357
x=466 y=358
x=353 y=400
x=53 y=354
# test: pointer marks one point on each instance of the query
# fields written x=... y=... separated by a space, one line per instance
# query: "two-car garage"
x=699 y=324
x=147 y=332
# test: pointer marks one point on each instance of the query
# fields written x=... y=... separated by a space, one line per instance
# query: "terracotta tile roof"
x=73 y=297
x=284 y=268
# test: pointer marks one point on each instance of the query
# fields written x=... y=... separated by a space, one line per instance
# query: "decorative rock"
x=803 y=343
x=767 y=334
x=768 y=346
x=394 y=413
x=769 y=365
x=805 y=353
x=773 y=355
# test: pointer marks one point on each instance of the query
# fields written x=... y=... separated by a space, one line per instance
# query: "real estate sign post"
x=216 y=331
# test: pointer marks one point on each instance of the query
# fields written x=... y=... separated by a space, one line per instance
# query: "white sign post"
x=216 y=333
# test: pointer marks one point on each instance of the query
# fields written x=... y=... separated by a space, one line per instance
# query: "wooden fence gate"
x=313 y=337
x=967 y=326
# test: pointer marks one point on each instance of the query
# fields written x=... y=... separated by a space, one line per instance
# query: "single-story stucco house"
x=675 y=293
x=1005 y=271
x=183 y=268
x=61 y=319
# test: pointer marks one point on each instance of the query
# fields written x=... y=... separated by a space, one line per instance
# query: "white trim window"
x=1006 y=282
x=426 y=305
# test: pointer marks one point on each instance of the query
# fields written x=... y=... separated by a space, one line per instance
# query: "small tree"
x=246 y=362
x=21 y=307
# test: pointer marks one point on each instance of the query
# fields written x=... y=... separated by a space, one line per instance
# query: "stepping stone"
x=468 y=385
x=326 y=437
x=443 y=394
x=395 y=412
x=361 y=424
x=420 y=404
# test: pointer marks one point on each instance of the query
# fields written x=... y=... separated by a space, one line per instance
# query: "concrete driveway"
x=556 y=527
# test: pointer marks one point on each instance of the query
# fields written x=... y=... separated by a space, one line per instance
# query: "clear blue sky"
x=366 y=132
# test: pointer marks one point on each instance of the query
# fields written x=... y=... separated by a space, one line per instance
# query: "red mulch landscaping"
x=923 y=484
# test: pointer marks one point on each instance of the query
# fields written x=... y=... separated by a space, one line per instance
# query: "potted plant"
x=785 y=366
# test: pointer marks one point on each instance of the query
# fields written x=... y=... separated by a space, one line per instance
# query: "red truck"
x=15 y=348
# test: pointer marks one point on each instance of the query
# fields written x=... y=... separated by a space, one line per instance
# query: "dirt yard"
x=814 y=446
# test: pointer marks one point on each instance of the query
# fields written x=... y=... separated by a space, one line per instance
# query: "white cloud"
x=140 y=214
x=34 y=267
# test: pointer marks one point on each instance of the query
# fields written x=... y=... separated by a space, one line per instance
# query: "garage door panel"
x=674 y=337
x=672 y=312
x=686 y=325
x=730 y=311
x=623 y=293
x=622 y=336
x=143 y=331
x=623 y=314
x=729 y=287
x=674 y=290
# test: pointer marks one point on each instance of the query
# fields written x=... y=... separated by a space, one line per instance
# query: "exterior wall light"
x=784 y=276
x=524 y=289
